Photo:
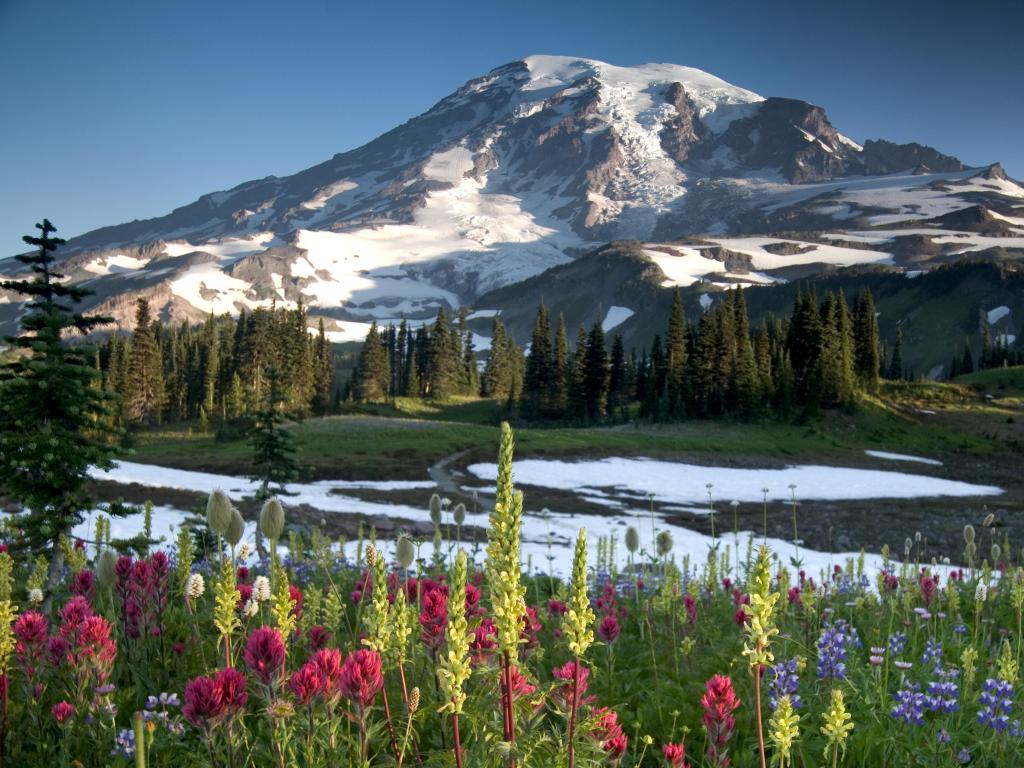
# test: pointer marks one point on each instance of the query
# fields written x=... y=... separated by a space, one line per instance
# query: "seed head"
x=218 y=512
x=272 y=519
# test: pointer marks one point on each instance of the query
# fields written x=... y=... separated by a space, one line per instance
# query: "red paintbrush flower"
x=264 y=655
x=361 y=678
x=306 y=684
x=229 y=687
x=675 y=755
x=203 y=705
x=61 y=711
x=329 y=666
x=719 y=702
x=608 y=629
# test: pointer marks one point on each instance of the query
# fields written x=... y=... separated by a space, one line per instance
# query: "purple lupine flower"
x=943 y=736
x=832 y=644
x=909 y=704
x=784 y=681
x=943 y=694
x=898 y=643
x=960 y=629
x=124 y=744
x=963 y=756
x=932 y=654
x=996 y=704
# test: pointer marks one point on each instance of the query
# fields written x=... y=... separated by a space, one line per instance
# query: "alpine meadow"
x=596 y=415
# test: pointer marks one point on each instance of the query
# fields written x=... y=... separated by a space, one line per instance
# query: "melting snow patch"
x=678 y=483
x=903 y=457
x=997 y=314
x=616 y=316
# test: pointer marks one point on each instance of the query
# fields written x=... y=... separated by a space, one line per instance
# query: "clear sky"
x=114 y=111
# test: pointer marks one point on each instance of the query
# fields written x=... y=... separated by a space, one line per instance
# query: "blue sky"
x=122 y=110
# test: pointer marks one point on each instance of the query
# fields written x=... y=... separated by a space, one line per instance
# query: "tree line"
x=822 y=355
x=218 y=370
x=995 y=353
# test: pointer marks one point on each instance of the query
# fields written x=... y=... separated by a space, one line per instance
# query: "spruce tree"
x=746 y=381
x=145 y=394
x=596 y=372
x=323 y=372
x=560 y=363
x=372 y=377
x=896 y=372
x=55 y=422
x=539 y=365
x=676 y=358
x=866 y=347
x=617 y=377
x=576 y=391
x=272 y=444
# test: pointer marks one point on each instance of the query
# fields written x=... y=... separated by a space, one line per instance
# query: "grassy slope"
x=401 y=440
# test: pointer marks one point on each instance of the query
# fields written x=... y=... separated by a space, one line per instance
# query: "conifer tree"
x=144 y=390
x=896 y=372
x=676 y=358
x=272 y=444
x=576 y=392
x=617 y=377
x=55 y=423
x=539 y=365
x=560 y=363
x=323 y=370
x=595 y=374
x=444 y=360
x=746 y=382
x=866 y=346
x=372 y=377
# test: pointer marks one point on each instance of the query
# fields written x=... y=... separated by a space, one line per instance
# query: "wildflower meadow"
x=223 y=652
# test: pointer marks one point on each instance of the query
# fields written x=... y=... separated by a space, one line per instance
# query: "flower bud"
x=664 y=543
x=632 y=539
x=218 y=512
x=459 y=513
x=405 y=552
x=236 y=528
x=969 y=534
x=435 y=510
x=272 y=519
x=105 y=568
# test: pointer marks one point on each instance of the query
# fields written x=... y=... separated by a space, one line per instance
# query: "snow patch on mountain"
x=997 y=314
x=615 y=317
x=115 y=264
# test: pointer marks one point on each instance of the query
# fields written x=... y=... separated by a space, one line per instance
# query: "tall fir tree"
x=539 y=367
x=676 y=358
x=558 y=391
x=372 y=377
x=273 y=446
x=323 y=372
x=865 y=342
x=55 y=422
x=596 y=372
x=144 y=390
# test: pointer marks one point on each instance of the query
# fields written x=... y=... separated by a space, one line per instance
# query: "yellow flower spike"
x=504 y=575
x=783 y=730
x=376 y=618
x=578 y=624
x=282 y=604
x=837 y=727
x=226 y=596
x=759 y=626
x=453 y=669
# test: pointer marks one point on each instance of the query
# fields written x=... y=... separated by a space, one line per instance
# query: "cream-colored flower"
x=195 y=586
x=261 y=589
x=35 y=596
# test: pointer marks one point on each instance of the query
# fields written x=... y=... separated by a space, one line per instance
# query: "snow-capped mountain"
x=524 y=169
